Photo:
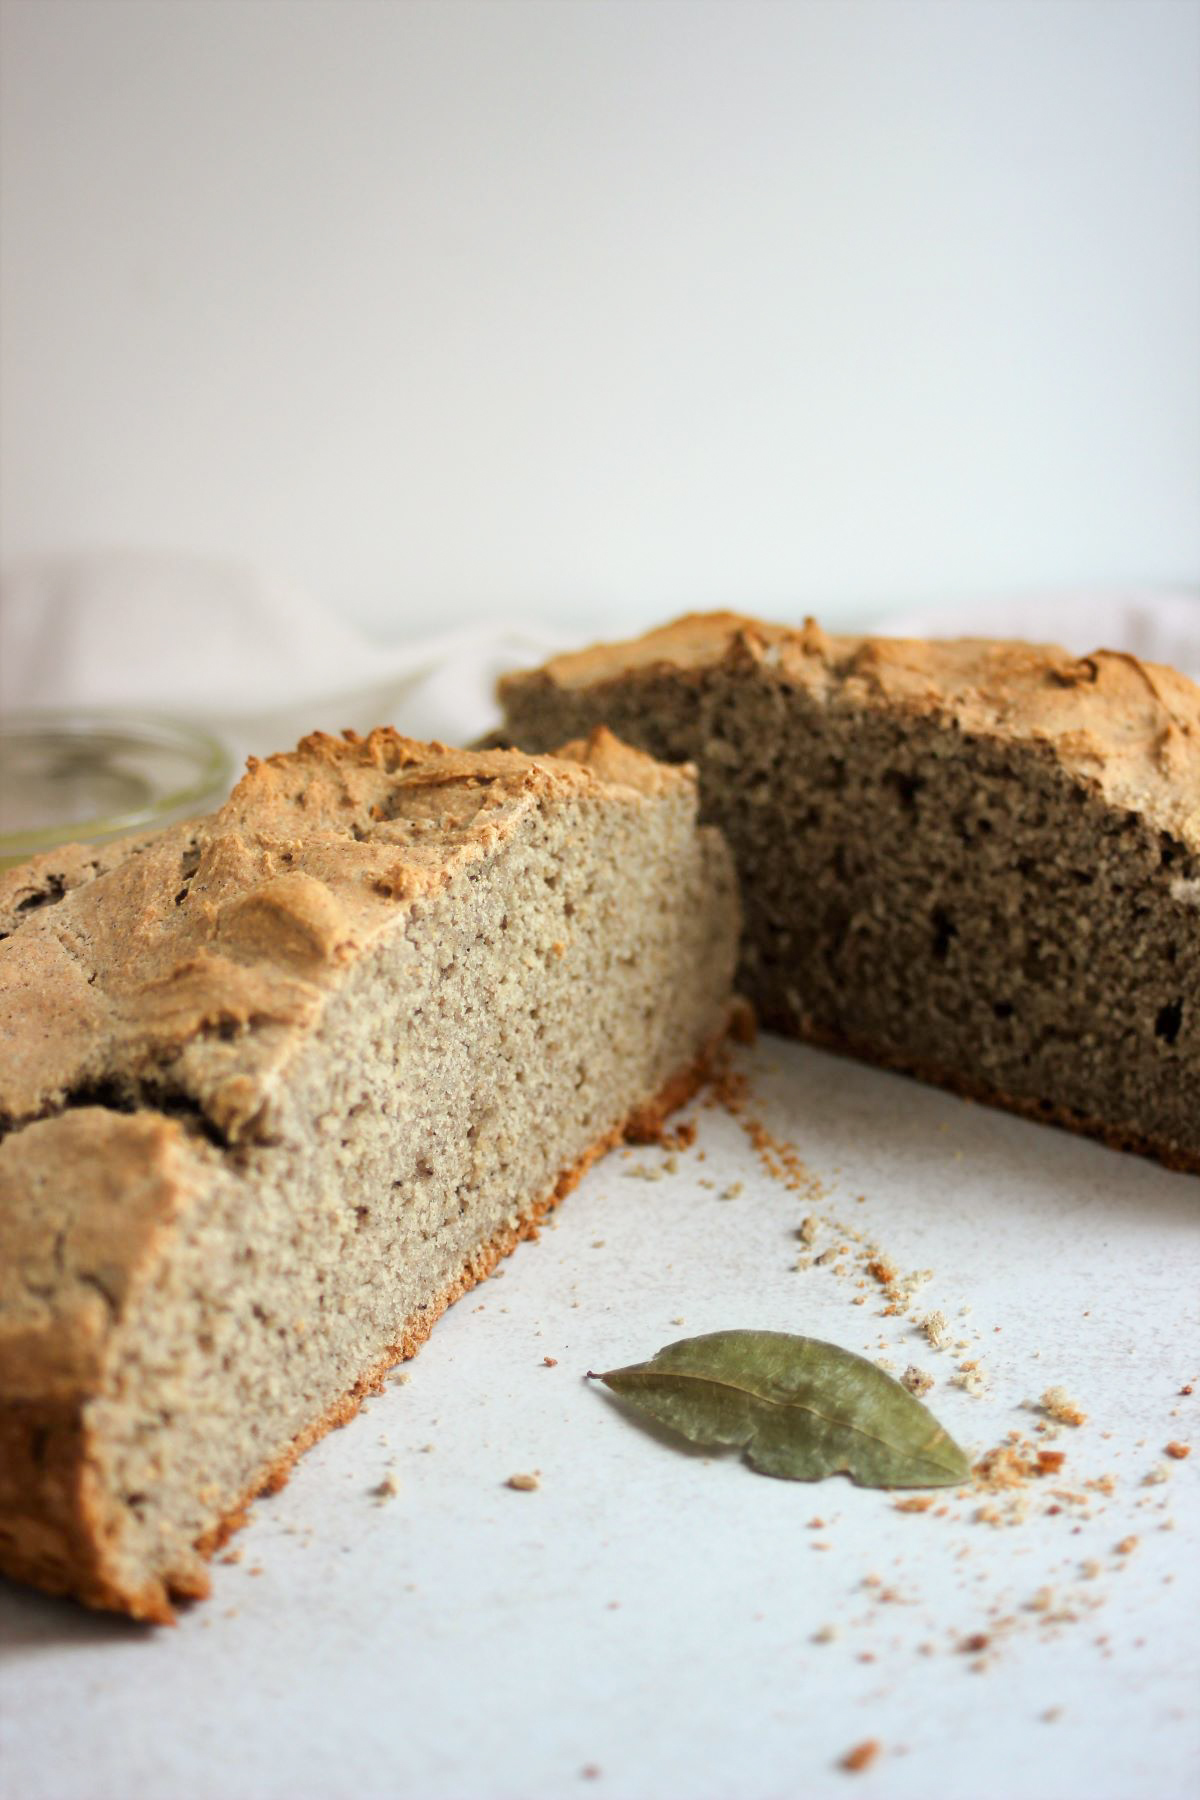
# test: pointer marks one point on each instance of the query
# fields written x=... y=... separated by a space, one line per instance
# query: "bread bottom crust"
x=1045 y=1112
x=81 y=1576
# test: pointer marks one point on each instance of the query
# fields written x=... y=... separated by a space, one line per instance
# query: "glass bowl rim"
x=213 y=765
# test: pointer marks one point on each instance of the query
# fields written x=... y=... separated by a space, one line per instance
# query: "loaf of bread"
x=278 y=1085
x=978 y=862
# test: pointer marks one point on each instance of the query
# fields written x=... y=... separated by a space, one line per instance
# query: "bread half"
x=978 y=862
x=280 y=1084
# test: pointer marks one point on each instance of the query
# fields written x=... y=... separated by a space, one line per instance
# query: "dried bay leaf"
x=796 y=1407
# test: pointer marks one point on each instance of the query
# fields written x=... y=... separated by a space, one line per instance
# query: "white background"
x=587 y=312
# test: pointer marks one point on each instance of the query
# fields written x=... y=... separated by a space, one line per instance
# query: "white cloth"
x=221 y=645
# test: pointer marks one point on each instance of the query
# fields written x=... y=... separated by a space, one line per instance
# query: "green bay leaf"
x=796 y=1407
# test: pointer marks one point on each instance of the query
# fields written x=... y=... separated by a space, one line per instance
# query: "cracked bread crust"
x=506 y=964
x=181 y=968
x=1130 y=727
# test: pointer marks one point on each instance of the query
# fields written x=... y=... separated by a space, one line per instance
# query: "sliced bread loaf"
x=280 y=1084
x=978 y=862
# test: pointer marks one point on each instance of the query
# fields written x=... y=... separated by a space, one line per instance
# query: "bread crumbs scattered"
x=232 y=1556
x=808 y=1229
x=862 y=1756
x=524 y=1484
x=1126 y=1545
x=1155 y=1476
x=679 y=1321
x=825 y=1635
x=388 y=1488
x=1178 y=1450
x=550 y=1362
x=915 y=1503
x=1057 y=1404
x=732 y=1191
x=643 y=1172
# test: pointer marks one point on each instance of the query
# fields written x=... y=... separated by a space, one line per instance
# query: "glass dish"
x=83 y=777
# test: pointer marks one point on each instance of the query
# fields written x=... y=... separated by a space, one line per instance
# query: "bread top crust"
x=1130 y=728
x=180 y=967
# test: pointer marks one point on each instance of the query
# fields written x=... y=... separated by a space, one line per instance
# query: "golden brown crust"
x=51 y=1533
x=1130 y=728
x=187 y=965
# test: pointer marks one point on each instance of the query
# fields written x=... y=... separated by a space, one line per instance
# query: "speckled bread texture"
x=975 y=861
x=281 y=1083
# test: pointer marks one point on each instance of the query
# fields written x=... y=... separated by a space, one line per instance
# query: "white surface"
x=651 y=1612
x=592 y=312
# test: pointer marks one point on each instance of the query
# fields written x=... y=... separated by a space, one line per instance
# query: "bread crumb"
x=936 y=1330
x=1057 y=1404
x=524 y=1484
x=550 y=1362
x=971 y=1378
x=825 y=1634
x=1155 y=1476
x=862 y=1756
x=232 y=1556
x=643 y=1172
x=388 y=1488
x=732 y=1191
x=1178 y=1450
x=915 y=1503
x=679 y=1321
x=807 y=1232
x=1126 y=1545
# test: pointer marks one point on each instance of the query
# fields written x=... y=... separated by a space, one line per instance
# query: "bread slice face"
x=978 y=862
x=282 y=1083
